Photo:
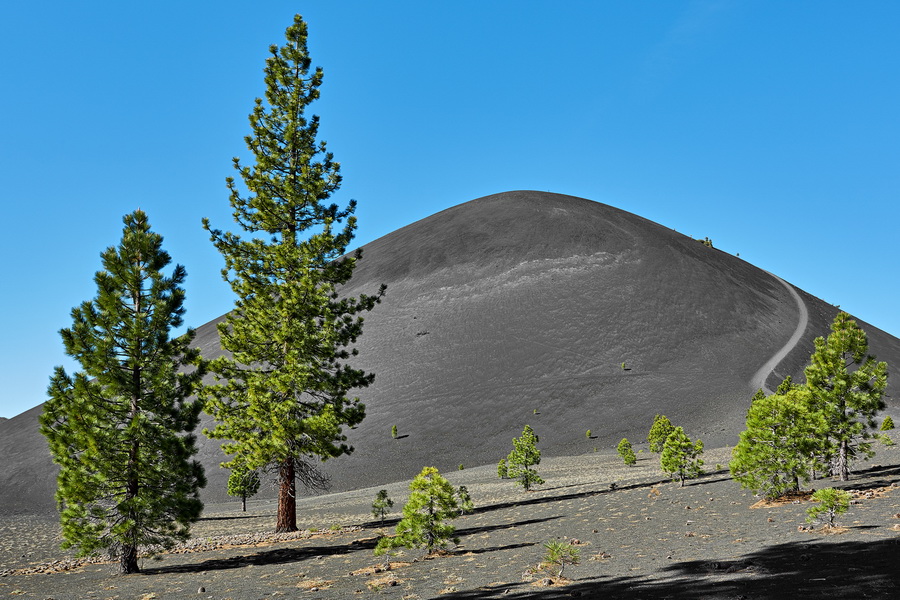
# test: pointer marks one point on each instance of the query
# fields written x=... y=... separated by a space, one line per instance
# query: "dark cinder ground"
x=649 y=538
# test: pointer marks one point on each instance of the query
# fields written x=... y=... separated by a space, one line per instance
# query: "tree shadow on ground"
x=589 y=493
x=489 y=528
x=274 y=556
x=277 y=556
x=876 y=477
x=233 y=517
x=497 y=548
x=809 y=569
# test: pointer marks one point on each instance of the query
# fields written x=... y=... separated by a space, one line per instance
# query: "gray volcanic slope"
x=527 y=301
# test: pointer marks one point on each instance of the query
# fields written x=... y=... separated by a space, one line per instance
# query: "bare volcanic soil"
x=643 y=537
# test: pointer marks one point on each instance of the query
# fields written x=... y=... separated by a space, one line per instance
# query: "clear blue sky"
x=773 y=128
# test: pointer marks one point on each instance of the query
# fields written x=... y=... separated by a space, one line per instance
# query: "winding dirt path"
x=759 y=378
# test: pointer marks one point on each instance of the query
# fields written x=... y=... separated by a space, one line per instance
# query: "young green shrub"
x=659 y=431
x=394 y=431
x=466 y=506
x=525 y=455
x=832 y=502
x=778 y=450
x=887 y=424
x=587 y=434
x=461 y=467
x=382 y=505
x=502 y=469
x=432 y=501
x=886 y=439
x=680 y=457
x=559 y=554
x=243 y=483
x=627 y=452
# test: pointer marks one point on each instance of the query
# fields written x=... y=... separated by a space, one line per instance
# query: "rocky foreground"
x=638 y=534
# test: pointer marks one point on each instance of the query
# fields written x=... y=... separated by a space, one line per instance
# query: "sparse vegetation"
x=394 y=431
x=524 y=456
x=587 y=434
x=502 y=469
x=627 y=452
x=680 y=457
x=832 y=502
x=887 y=424
x=432 y=501
x=382 y=505
x=558 y=554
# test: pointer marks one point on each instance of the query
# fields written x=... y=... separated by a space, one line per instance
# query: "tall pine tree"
x=282 y=393
x=120 y=428
x=847 y=387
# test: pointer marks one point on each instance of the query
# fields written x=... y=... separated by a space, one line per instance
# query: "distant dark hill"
x=529 y=301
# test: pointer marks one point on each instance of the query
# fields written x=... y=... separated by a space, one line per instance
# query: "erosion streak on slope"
x=759 y=378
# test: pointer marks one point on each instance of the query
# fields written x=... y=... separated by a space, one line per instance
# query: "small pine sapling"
x=394 y=431
x=466 y=506
x=243 y=483
x=432 y=501
x=627 y=452
x=680 y=457
x=587 y=434
x=382 y=505
x=559 y=554
x=524 y=455
x=832 y=502
x=502 y=469
x=886 y=425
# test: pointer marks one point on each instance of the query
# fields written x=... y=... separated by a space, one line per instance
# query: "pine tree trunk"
x=243 y=502
x=128 y=560
x=286 y=520
x=842 y=466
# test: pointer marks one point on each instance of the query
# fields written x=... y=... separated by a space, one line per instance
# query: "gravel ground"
x=648 y=538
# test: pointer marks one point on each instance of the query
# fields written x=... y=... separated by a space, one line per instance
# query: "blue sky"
x=772 y=128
